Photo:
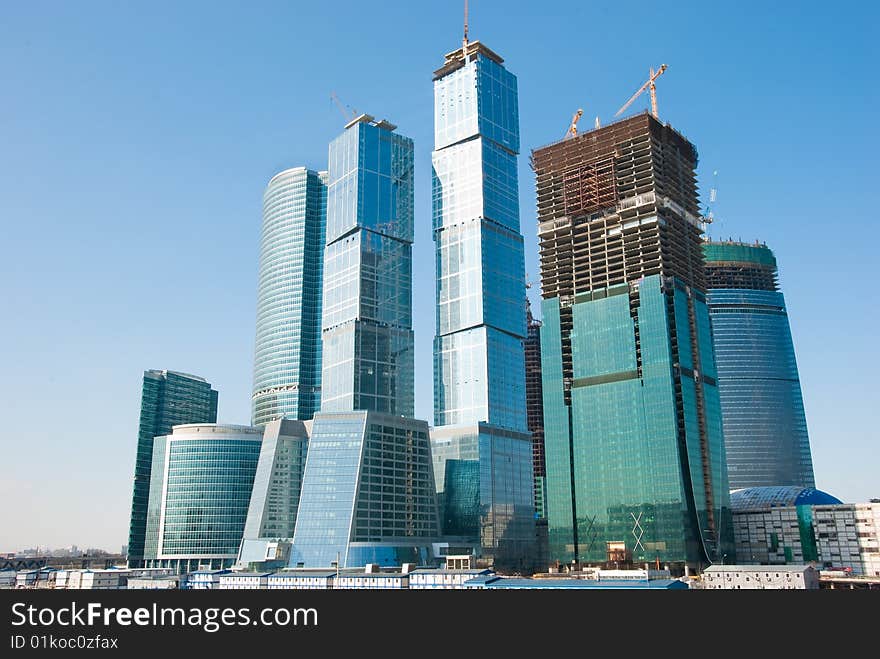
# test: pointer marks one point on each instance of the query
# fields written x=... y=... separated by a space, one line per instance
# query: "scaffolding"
x=616 y=204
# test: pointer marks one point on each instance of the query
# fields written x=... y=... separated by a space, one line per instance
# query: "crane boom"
x=350 y=114
x=648 y=85
x=572 y=129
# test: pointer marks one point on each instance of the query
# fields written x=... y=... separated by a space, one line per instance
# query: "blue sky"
x=136 y=140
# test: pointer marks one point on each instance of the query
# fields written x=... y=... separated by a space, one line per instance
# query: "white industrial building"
x=761 y=577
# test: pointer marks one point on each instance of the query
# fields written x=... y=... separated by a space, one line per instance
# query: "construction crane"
x=573 y=129
x=648 y=85
x=342 y=109
x=464 y=42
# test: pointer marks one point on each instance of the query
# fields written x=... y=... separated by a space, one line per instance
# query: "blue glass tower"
x=368 y=491
x=634 y=451
x=367 y=315
x=287 y=356
x=479 y=363
x=168 y=399
x=479 y=359
x=765 y=428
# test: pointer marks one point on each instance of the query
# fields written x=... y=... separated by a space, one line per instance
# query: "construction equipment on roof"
x=349 y=113
x=464 y=42
x=648 y=85
x=572 y=129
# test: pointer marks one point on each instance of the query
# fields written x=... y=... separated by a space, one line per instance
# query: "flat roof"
x=758 y=568
x=211 y=572
x=299 y=572
x=442 y=571
x=455 y=59
x=654 y=584
x=373 y=575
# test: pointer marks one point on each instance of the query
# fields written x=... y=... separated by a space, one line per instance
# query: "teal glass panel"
x=557 y=449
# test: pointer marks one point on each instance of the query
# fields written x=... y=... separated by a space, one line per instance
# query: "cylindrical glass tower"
x=199 y=492
x=287 y=356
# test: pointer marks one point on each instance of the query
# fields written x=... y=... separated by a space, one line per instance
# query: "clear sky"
x=136 y=140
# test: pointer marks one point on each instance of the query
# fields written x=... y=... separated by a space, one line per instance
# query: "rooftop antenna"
x=464 y=42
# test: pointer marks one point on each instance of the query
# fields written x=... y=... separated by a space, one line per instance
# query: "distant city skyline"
x=143 y=256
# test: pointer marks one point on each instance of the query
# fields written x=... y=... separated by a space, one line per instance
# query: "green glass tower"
x=635 y=462
x=169 y=399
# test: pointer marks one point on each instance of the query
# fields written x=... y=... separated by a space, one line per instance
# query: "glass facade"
x=168 y=399
x=287 y=356
x=765 y=427
x=367 y=301
x=484 y=482
x=200 y=494
x=481 y=444
x=278 y=480
x=630 y=484
x=634 y=450
x=479 y=369
x=631 y=464
x=368 y=492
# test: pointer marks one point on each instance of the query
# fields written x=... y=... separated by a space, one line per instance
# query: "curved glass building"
x=202 y=475
x=287 y=359
x=765 y=429
x=780 y=496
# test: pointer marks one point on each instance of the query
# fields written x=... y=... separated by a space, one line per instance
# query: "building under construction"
x=634 y=450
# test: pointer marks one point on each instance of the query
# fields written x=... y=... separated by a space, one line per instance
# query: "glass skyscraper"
x=368 y=492
x=479 y=363
x=479 y=368
x=765 y=428
x=287 y=356
x=634 y=450
x=367 y=315
x=199 y=493
x=168 y=399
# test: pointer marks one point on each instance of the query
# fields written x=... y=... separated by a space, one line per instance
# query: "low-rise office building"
x=204 y=579
x=372 y=581
x=426 y=579
x=302 y=579
x=794 y=525
x=94 y=579
x=761 y=577
x=154 y=583
x=243 y=581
